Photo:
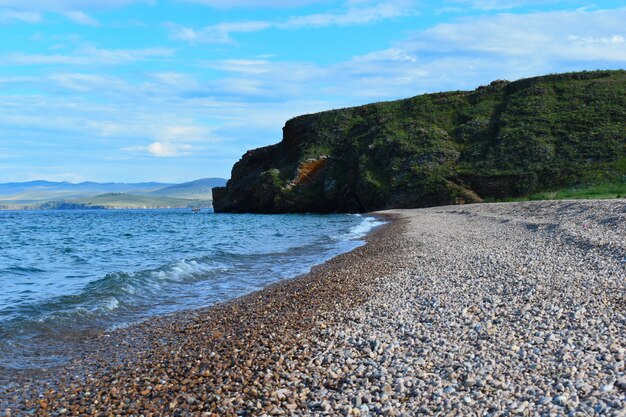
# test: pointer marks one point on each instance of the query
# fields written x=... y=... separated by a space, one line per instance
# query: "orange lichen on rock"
x=308 y=168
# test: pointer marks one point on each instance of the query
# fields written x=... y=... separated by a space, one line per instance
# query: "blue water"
x=73 y=272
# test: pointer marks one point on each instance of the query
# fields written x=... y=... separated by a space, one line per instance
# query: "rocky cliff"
x=504 y=139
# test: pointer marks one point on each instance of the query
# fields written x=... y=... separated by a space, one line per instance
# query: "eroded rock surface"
x=502 y=140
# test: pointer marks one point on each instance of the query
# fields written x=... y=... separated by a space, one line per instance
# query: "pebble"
x=559 y=400
x=469 y=382
x=459 y=310
x=606 y=388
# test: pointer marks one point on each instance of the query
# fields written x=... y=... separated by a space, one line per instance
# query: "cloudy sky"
x=137 y=90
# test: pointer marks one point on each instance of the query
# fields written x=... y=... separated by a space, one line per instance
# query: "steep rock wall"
x=504 y=139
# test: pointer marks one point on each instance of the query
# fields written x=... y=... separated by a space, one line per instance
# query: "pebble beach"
x=477 y=310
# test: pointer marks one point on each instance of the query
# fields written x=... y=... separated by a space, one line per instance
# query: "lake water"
x=68 y=272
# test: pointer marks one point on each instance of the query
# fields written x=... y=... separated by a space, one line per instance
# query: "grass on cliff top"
x=605 y=190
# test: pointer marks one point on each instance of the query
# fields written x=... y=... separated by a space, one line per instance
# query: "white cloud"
x=81 y=18
x=249 y=66
x=354 y=14
x=84 y=83
x=219 y=34
x=189 y=133
x=164 y=149
x=615 y=39
x=170 y=141
x=459 y=55
x=66 y=5
x=549 y=37
x=173 y=79
x=392 y=54
x=267 y=80
x=246 y=100
x=7 y=16
x=475 y=51
x=18 y=79
x=88 y=56
x=227 y=4
x=487 y=5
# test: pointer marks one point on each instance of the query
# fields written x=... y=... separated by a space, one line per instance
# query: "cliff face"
x=505 y=139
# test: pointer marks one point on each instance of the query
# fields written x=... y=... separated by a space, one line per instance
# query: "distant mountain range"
x=50 y=195
x=198 y=189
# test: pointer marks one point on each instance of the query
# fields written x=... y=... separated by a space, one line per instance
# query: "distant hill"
x=198 y=189
x=51 y=195
x=38 y=191
x=506 y=139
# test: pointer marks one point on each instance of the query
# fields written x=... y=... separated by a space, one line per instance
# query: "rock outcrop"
x=502 y=140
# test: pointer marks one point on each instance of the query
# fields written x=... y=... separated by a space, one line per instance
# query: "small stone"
x=400 y=388
x=374 y=345
x=559 y=400
x=325 y=406
x=469 y=382
x=544 y=400
x=448 y=390
x=606 y=388
x=522 y=407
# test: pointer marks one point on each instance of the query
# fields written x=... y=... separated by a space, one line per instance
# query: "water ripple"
x=77 y=271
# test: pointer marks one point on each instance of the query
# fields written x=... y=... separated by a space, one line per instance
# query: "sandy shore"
x=492 y=309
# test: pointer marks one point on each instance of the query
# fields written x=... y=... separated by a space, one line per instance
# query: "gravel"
x=490 y=309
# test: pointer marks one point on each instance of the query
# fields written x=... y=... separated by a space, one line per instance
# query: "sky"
x=156 y=90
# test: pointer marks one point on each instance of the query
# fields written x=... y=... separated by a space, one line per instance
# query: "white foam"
x=111 y=304
x=183 y=269
x=118 y=326
x=362 y=229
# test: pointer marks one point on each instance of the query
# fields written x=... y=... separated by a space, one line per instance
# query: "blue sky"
x=138 y=90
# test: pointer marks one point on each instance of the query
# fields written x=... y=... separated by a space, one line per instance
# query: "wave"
x=101 y=299
x=362 y=229
x=245 y=254
x=22 y=270
x=184 y=270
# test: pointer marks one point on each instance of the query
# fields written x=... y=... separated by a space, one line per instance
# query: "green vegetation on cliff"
x=507 y=139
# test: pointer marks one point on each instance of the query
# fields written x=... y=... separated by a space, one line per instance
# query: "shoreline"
x=218 y=271
x=465 y=309
x=24 y=386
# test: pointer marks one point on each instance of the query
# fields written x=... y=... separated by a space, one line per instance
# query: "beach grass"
x=601 y=191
